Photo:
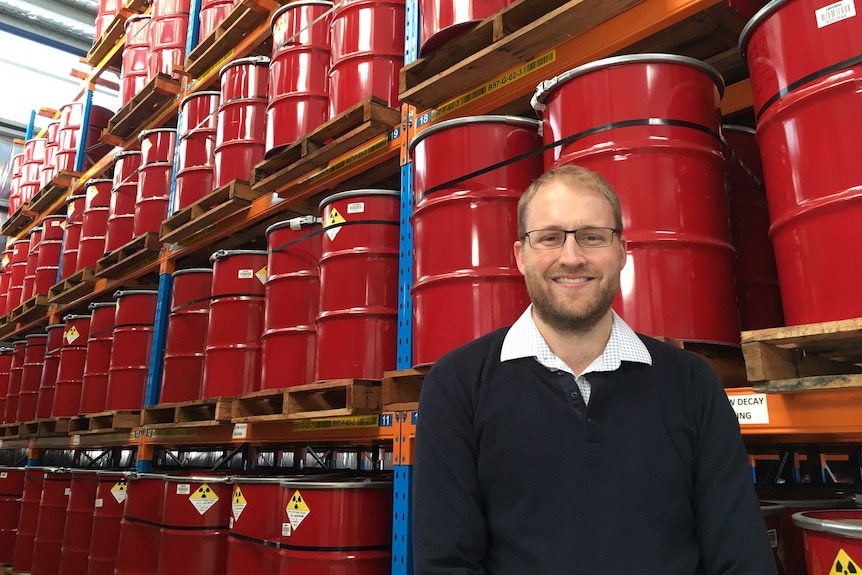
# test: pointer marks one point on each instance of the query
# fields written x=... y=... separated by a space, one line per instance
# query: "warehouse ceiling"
x=65 y=24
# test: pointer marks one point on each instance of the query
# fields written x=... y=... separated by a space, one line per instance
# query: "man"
x=569 y=445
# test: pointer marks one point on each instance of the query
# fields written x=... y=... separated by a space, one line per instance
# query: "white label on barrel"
x=119 y=491
x=70 y=210
x=240 y=430
x=72 y=334
x=145 y=146
x=297 y=509
x=356 y=208
x=99 y=503
x=773 y=537
x=285 y=529
x=183 y=489
x=334 y=219
x=750 y=408
x=92 y=192
x=261 y=275
x=843 y=564
x=245 y=274
x=67 y=491
x=203 y=498
x=3 y=475
x=5 y=261
x=835 y=13
x=55 y=223
x=239 y=503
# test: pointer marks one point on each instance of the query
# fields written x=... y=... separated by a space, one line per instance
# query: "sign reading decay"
x=750 y=408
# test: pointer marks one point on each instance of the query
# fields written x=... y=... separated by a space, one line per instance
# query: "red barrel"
x=289 y=334
x=193 y=539
x=105 y=14
x=772 y=518
x=6 y=354
x=109 y=504
x=299 y=72
x=50 y=250
x=186 y=340
x=757 y=294
x=34 y=480
x=232 y=362
x=70 y=372
x=49 y=168
x=133 y=74
x=255 y=533
x=367 y=52
x=11 y=492
x=213 y=13
x=196 y=152
x=471 y=286
x=241 y=119
x=154 y=179
x=49 y=370
x=337 y=526
x=656 y=140
x=48 y=544
x=31 y=376
x=358 y=320
x=137 y=550
x=99 y=344
x=30 y=267
x=72 y=235
x=15 y=369
x=442 y=20
x=17 y=270
x=69 y=133
x=15 y=183
x=75 y=549
x=130 y=355
x=833 y=540
x=97 y=210
x=31 y=168
x=121 y=221
x=5 y=276
x=167 y=34
x=812 y=175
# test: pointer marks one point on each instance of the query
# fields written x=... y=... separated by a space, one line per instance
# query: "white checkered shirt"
x=524 y=340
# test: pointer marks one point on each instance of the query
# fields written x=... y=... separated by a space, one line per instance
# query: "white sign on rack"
x=750 y=408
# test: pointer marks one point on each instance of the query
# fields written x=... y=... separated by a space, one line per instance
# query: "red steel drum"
x=72 y=236
x=69 y=133
x=299 y=72
x=472 y=286
x=213 y=13
x=31 y=376
x=659 y=128
x=109 y=504
x=97 y=210
x=11 y=492
x=6 y=354
x=34 y=480
x=812 y=176
x=48 y=544
x=121 y=222
x=232 y=360
x=105 y=14
x=167 y=34
x=746 y=8
x=337 y=526
x=255 y=533
x=75 y=550
x=196 y=152
x=367 y=52
x=134 y=71
x=50 y=250
x=241 y=119
x=70 y=371
x=15 y=183
x=30 y=267
x=137 y=550
x=186 y=339
x=833 y=540
x=5 y=276
x=49 y=370
x=17 y=270
x=31 y=168
x=17 y=366
x=193 y=539
x=130 y=355
x=170 y=7
x=757 y=295
x=99 y=344
x=442 y=20
x=772 y=518
x=154 y=179
x=358 y=319
x=289 y=334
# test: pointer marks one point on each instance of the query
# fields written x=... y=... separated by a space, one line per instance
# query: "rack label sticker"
x=184 y=488
x=843 y=564
x=353 y=421
x=356 y=208
x=750 y=408
x=245 y=274
x=119 y=491
x=239 y=503
x=285 y=529
x=99 y=503
x=240 y=431
x=203 y=498
x=297 y=510
x=261 y=275
x=76 y=440
x=835 y=13
x=334 y=219
x=72 y=334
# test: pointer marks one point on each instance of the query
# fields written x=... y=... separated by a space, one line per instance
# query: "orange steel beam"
x=737 y=97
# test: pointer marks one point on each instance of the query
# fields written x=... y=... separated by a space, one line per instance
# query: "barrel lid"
x=95 y=181
x=355 y=193
x=297 y=4
x=125 y=153
x=197 y=478
x=200 y=94
x=6 y=349
x=487 y=119
x=294 y=224
x=21 y=241
x=36 y=140
x=71 y=199
x=120 y=293
x=35 y=335
x=98 y=304
x=46 y=218
x=38 y=229
x=115 y=473
x=192 y=271
x=544 y=89
x=74 y=316
x=358 y=483
x=847 y=527
x=19 y=342
x=794 y=501
x=756 y=21
x=221 y=254
x=12 y=468
x=144 y=133
x=138 y=17
x=254 y=60
x=771 y=508
x=55 y=326
x=736 y=128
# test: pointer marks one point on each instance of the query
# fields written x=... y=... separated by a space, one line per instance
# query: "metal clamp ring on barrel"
x=853 y=531
x=330 y=226
x=293 y=5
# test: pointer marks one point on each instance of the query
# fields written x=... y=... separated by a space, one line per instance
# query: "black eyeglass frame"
x=614 y=232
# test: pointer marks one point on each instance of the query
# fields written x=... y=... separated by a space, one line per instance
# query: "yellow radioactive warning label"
x=70 y=210
x=297 y=509
x=844 y=565
x=239 y=503
x=72 y=334
x=334 y=219
x=203 y=498
x=5 y=260
x=145 y=146
x=92 y=192
x=119 y=490
x=261 y=274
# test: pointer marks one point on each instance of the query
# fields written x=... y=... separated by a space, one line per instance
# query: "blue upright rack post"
x=160 y=330
x=81 y=155
x=31 y=125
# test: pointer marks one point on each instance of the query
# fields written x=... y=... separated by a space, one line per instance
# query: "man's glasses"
x=585 y=237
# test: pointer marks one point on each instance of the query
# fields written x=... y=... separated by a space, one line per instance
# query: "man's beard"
x=564 y=320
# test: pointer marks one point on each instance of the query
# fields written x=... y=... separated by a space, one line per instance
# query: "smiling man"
x=569 y=445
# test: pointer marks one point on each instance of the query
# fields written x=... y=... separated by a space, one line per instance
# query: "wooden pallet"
x=343 y=133
x=30 y=309
x=805 y=357
x=401 y=388
x=52 y=192
x=103 y=46
x=105 y=422
x=215 y=50
x=17 y=221
x=198 y=413
x=334 y=398
x=131 y=117
x=48 y=426
x=11 y=431
x=725 y=359
x=227 y=200
x=121 y=261
x=73 y=287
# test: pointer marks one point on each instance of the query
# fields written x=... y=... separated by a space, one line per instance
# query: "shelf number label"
x=240 y=431
x=750 y=408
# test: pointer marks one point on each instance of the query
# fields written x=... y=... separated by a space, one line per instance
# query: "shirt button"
x=574 y=395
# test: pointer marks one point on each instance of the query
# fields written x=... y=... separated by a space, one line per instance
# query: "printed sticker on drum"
x=285 y=529
x=203 y=498
x=92 y=192
x=119 y=491
x=261 y=275
x=99 y=503
x=5 y=260
x=843 y=564
x=3 y=475
x=72 y=334
x=184 y=489
x=239 y=503
x=356 y=208
x=245 y=274
x=835 y=13
x=334 y=219
x=297 y=510
x=55 y=223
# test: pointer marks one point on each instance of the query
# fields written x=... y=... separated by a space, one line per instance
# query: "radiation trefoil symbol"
x=844 y=565
x=203 y=498
x=239 y=503
x=297 y=510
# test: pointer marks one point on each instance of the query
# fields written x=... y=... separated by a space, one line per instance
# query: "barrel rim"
x=40 y=228
x=195 y=478
x=120 y=292
x=355 y=193
x=192 y=270
x=21 y=341
x=303 y=220
x=98 y=304
x=137 y=17
x=833 y=526
x=14 y=468
x=544 y=89
x=55 y=325
x=52 y=217
x=125 y=153
x=74 y=316
x=94 y=181
x=811 y=504
x=756 y=21
x=738 y=128
x=247 y=60
x=144 y=133
x=299 y=3
x=71 y=199
x=35 y=335
x=220 y=254
x=771 y=508
x=354 y=484
x=197 y=94
x=35 y=140
x=483 y=119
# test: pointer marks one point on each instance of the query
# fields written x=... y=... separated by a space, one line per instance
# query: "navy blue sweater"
x=514 y=475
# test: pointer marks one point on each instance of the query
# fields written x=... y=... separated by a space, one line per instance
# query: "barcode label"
x=773 y=537
x=835 y=13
